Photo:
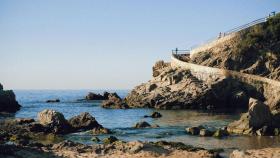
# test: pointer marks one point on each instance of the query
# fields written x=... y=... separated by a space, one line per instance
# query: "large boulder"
x=54 y=121
x=84 y=121
x=114 y=102
x=8 y=101
x=258 y=116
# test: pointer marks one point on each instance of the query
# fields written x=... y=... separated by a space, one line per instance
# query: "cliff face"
x=255 y=50
x=173 y=88
x=8 y=101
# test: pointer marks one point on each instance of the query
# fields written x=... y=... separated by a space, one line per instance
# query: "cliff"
x=255 y=50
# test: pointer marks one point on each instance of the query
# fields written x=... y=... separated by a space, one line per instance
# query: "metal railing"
x=234 y=30
x=177 y=51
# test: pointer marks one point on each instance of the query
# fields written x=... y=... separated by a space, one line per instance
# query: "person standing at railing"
x=220 y=35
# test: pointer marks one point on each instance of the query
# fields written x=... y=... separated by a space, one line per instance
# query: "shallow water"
x=172 y=124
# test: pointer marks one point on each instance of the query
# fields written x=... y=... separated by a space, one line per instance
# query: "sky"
x=107 y=44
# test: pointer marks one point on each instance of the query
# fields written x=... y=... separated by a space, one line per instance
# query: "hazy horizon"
x=110 y=44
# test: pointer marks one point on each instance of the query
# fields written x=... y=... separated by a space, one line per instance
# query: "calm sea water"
x=172 y=124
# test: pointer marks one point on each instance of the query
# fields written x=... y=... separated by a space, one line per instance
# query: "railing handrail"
x=234 y=30
x=177 y=51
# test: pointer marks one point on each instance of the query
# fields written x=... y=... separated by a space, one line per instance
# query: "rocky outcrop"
x=94 y=96
x=50 y=121
x=176 y=88
x=158 y=66
x=114 y=102
x=8 y=101
x=258 y=120
x=84 y=121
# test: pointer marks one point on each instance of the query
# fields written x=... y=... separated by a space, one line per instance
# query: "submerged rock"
x=220 y=133
x=194 y=130
x=95 y=139
x=142 y=124
x=205 y=133
x=101 y=130
x=154 y=115
x=110 y=140
x=53 y=101
x=8 y=101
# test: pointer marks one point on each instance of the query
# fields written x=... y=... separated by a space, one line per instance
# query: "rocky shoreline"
x=28 y=136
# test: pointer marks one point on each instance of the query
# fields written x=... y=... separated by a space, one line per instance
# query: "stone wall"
x=211 y=44
x=269 y=88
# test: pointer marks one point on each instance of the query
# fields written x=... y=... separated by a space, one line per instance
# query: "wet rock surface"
x=8 y=101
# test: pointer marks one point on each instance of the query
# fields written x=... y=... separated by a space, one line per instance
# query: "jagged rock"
x=84 y=121
x=54 y=120
x=180 y=89
x=114 y=102
x=110 y=140
x=106 y=95
x=8 y=101
x=53 y=101
x=158 y=66
x=142 y=124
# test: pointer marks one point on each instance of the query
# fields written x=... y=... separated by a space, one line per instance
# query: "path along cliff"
x=225 y=75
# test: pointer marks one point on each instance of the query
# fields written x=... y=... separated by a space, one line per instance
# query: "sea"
x=121 y=121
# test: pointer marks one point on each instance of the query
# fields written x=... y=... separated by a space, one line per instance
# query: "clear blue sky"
x=90 y=44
